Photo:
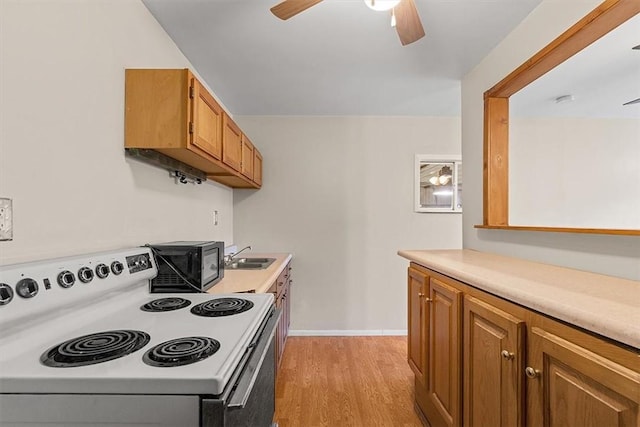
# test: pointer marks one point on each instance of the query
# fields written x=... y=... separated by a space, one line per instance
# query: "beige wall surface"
x=574 y=172
x=338 y=194
x=62 y=134
x=612 y=255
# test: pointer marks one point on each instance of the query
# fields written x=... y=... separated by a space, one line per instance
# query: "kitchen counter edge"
x=258 y=281
x=606 y=305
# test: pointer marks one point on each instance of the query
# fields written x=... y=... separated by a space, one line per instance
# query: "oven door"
x=250 y=401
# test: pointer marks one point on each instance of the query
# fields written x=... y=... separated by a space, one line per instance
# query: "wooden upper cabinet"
x=205 y=127
x=246 y=153
x=257 y=167
x=231 y=143
x=493 y=363
x=171 y=112
x=569 y=385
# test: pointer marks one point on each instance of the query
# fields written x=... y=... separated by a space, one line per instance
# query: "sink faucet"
x=230 y=257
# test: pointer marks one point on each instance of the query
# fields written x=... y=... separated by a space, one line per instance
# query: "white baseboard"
x=347 y=333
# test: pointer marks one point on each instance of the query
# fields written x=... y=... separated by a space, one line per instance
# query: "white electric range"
x=83 y=341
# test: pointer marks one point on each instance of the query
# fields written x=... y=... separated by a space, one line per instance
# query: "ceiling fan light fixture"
x=381 y=5
x=565 y=98
x=444 y=176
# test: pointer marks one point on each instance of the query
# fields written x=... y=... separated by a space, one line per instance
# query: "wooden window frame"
x=604 y=18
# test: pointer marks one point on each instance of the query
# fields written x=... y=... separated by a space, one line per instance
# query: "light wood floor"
x=345 y=381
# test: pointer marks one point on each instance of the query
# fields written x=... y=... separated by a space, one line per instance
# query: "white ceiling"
x=601 y=78
x=338 y=57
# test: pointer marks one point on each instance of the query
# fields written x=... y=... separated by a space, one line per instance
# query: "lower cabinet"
x=571 y=385
x=434 y=347
x=480 y=360
x=281 y=290
x=493 y=343
x=418 y=323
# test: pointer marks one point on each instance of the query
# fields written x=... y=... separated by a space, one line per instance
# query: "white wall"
x=574 y=172
x=613 y=255
x=338 y=194
x=62 y=124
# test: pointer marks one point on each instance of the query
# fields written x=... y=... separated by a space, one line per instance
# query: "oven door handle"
x=251 y=370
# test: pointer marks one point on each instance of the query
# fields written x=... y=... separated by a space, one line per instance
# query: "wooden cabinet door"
x=231 y=143
x=257 y=166
x=418 y=323
x=205 y=128
x=246 y=152
x=273 y=290
x=281 y=328
x=286 y=312
x=444 y=358
x=493 y=366
x=569 y=385
x=278 y=336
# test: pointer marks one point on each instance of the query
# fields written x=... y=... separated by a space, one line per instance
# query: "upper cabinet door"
x=231 y=143
x=205 y=128
x=246 y=165
x=257 y=167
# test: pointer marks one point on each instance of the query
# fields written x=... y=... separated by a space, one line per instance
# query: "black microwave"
x=187 y=266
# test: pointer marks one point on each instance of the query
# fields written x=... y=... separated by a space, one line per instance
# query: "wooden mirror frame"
x=604 y=18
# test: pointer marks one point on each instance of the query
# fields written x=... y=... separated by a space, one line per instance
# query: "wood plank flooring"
x=345 y=381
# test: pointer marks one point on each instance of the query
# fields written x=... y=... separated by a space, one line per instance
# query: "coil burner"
x=165 y=304
x=222 y=307
x=181 y=351
x=95 y=348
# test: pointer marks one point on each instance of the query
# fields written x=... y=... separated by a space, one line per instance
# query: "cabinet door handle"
x=421 y=295
x=531 y=373
x=506 y=355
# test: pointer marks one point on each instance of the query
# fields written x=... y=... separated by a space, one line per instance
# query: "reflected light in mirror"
x=381 y=5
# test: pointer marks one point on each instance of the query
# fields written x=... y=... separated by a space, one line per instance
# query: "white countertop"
x=606 y=305
x=252 y=280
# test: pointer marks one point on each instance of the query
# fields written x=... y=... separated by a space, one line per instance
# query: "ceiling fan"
x=404 y=15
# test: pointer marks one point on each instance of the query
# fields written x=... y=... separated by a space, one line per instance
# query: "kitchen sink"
x=256 y=260
x=250 y=264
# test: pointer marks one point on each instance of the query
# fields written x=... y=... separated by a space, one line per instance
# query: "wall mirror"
x=438 y=183
x=561 y=150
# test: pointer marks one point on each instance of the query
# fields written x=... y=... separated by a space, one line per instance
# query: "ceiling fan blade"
x=289 y=8
x=635 y=101
x=408 y=22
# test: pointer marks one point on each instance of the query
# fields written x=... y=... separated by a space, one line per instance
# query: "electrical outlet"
x=6 y=219
x=215 y=217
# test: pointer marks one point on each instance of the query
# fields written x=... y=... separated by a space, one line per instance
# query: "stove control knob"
x=6 y=294
x=66 y=279
x=117 y=267
x=85 y=274
x=27 y=288
x=102 y=271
